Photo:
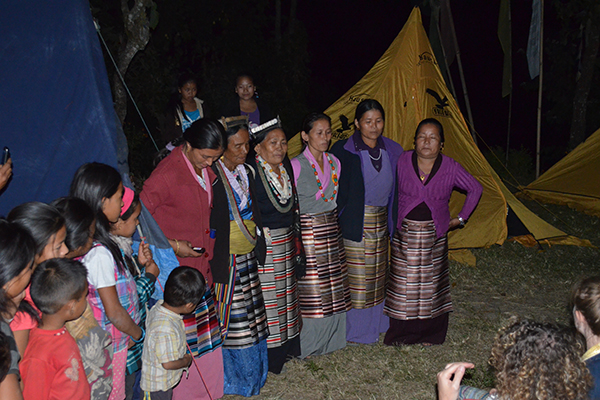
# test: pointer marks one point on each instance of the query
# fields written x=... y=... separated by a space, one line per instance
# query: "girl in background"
x=247 y=103
x=47 y=228
x=95 y=344
x=145 y=279
x=113 y=294
x=17 y=252
x=183 y=110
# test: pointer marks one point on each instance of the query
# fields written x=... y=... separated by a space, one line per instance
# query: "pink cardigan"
x=436 y=194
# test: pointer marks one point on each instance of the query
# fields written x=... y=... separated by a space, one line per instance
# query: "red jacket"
x=181 y=207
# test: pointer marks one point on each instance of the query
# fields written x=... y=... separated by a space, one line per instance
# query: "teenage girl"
x=47 y=228
x=145 y=279
x=95 y=344
x=113 y=295
x=17 y=251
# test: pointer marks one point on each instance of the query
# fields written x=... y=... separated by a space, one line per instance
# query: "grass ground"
x=508 y=280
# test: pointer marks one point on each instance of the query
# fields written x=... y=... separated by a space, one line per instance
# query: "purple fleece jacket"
x=436 y=194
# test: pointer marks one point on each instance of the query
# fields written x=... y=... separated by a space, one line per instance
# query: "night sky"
x=346 y=38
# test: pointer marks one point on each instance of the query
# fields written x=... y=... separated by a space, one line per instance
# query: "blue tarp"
x=56 y=109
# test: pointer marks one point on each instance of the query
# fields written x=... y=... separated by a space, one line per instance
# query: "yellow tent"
x=573 y=181
x=408 y=83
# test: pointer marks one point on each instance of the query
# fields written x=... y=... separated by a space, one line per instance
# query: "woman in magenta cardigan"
x=418 y=292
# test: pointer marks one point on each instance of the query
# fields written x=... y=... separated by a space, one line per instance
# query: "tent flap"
x=573 y=181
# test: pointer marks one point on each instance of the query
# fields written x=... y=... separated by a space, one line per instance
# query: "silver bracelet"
x=461 y=220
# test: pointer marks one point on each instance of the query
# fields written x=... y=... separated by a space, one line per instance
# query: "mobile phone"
x=5 y=155
x=200 y=250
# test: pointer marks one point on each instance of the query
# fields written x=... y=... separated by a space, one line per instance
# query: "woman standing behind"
x=418 y=293
x=247 y=103
x=180 y=197
x=324 y=291
x=184 y=110
x=241 y=304
x=278 y=203
x=365 y=204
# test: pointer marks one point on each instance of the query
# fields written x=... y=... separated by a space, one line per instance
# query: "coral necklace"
x=334 y=179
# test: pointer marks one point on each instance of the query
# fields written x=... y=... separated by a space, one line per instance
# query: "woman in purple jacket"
x=418 y=292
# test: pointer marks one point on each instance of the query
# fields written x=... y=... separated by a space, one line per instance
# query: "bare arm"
x=5 y=173
x=10 y=388
x=21 y=338
x=183 y=362
x=116 y=314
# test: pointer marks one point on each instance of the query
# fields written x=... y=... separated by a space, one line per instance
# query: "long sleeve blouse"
x=436 y=194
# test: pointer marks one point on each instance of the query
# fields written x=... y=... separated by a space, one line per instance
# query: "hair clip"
x=231 y=122
x=274 y=122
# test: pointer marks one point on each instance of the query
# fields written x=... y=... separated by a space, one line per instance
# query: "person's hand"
x=454 y=223
x=188 y=360
x=449 y=379
x=5 y=173
x=183 y=249
x=145 y=254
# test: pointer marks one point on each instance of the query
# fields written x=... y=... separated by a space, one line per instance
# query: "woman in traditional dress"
x=240 y=300
x=179 y=194
x=276 y=197
x=365 y=204
x=324 y=291
x=418 y=292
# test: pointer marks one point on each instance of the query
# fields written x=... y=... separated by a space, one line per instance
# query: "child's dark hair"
x=41 y=220
x=93 y=182
x=184 y=285
x=78 y=218
x=57 y=281
x=17 y=251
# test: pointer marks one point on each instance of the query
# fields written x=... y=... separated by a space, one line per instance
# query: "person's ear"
x=356 y=124
x=256 y=149
x=70 y=306
x=304 y=136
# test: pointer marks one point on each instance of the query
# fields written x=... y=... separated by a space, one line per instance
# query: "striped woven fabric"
x=278 y=281
x=419 y=284
x=324 y=291
x=247 y=317
x=368 y=260
x=202 y=329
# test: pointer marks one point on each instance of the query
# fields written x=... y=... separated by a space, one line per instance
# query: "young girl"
x=145 y=279
x=17 y=251
x=47 y=228
x=113 y=295
x=95 y=344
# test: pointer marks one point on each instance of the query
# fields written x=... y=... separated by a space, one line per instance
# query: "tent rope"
x=97 y=25
x=518 y=185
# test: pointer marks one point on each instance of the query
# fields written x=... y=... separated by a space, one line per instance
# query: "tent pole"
x=508 y=131
x=462 y=75
x=451 y=83
x=539 y=107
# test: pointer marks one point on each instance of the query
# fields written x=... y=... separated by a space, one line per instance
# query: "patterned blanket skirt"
x=247 y=320
x=368 y=260
x=419 y=284
x=279 y=288
x=324 y=291
x=202 y=328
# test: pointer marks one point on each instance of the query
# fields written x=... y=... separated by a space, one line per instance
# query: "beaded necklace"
x=334 y=179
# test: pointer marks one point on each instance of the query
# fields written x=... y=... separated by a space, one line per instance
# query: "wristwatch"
x=462 y=221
